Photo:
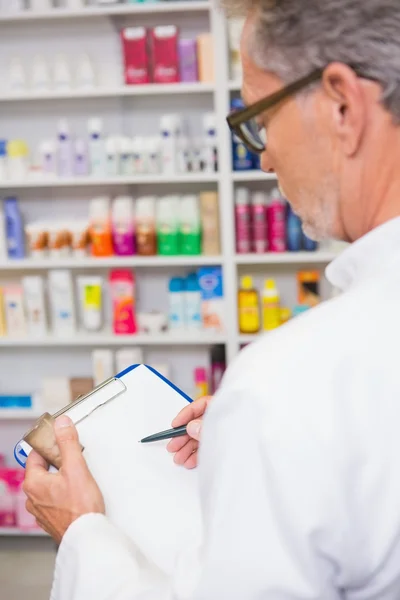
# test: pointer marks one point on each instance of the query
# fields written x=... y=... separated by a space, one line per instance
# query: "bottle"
x=17 y=80
x=189 y=226
x=81 y=161
x=122 y=287
x=308 y=283
x=100 y=227
x=152 y=155
x=248 y=307
x=242 y=221
x=176 y=314
x=242 y=159
x=167 y=226
x=201 y=383
x=18 y=160
x=138 y=155
x=125 y=156
x=40 y=74
x=90 y=295
x=294 y=233
x=61 y=295
x=271 y=306
x=85 y=75
x=276 y=222
x=308 y=244
x=169 y=144
x=235 y=27
x=187 y=60
x=41 y=5
x=259 y=222
x=146 y=239
x=47 y=151
x=218 y=367
x=123 y=228
x=192 y=303
x=14 y=229
x=210 y=151
x=97 y=149
x=184 y=163
x=112 y=156
x=209 y=212
x=65 y=150
x=62 y=74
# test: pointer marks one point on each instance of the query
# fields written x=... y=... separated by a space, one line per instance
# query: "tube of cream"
x=90 y=296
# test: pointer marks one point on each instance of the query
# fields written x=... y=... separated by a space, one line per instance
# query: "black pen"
x=165 y=435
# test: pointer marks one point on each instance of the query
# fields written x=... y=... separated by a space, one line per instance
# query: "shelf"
x=110 y=11
x=15 y=414
x=286 y=258
x=152 y=89
x=93 y=340
x=33 y=264
x=253 y=176
x=110 y=181
x=15 y=532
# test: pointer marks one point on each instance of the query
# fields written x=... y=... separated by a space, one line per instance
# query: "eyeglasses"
x=243 y=122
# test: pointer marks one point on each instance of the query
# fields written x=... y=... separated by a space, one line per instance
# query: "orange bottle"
x=100 y=229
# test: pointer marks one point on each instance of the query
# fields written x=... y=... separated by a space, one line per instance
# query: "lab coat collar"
x=367 y=257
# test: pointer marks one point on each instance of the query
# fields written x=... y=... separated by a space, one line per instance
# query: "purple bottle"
x=187 y=50
x=81 y=162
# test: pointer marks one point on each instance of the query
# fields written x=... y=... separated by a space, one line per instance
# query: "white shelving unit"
x=14 y=532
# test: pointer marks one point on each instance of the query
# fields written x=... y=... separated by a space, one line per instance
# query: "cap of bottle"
x=247 y=282
x=209 y=122
x=200 y=375
x=258 y=198
x=192 y=283
x=176 y=284
x=95 y=125
x=242 y=196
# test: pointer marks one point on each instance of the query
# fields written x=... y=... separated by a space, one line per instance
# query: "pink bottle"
x=276 y=223
x=259 y=222
x=243 y=221
x=122 y=287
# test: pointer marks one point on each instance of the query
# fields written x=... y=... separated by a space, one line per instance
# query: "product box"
x=212 y=296
x=205 y=57
x=136 y=58
x=164 y=54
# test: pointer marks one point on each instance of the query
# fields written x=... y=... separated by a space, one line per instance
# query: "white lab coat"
x=299 y=466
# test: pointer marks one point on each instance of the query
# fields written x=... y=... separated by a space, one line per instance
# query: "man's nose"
x=266 y=163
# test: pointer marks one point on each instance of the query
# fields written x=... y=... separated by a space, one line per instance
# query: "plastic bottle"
x=201 y=383
x=17 y=80
x=112 y=156
x=242 y=159
x=152 y=155
x=176 y=315
x=259 y=222
x=14 y=229
x=189 y=226
x=40 y=74
x=308 y=244
x=138 y=155
x=271 y=306
x=294 y=233
x=91 y=301
x=65 y=150
x=125 y=156
x=97 y=149
x=248 y=307
x=100 y=226
x=169 y=127
x=62 y=74
x=85 y=74
x=276 y=222
x=17 y=163
x=192 y=303
x=210 y=151
x=122 y=287
x=81 y=159
x=242 y=221
x=218 y=367
x=123 y=226
x=146 y=240
x=167 y=226
x=48 y=161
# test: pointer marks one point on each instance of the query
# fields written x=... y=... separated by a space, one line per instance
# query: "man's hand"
x=56 y=500
x=185 y=448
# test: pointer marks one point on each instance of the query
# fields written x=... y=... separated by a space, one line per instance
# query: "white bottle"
x=138 y=155
x=97 y=147
x=62 y=74
x=103 y=366
x=152 y=155
x=90 y=296
x=17 y=80
x=85 y=74
x=169 y=127
x=176 y=318
x=184 y=159
x=127 y=357
x=125 y=157
x=65 y=150
x=14 y=5
x=61 y=294
x=48 y=160
x=193 y=303
x=210 y=146
x=40 y=74
x=35 y=310
x=112 y=156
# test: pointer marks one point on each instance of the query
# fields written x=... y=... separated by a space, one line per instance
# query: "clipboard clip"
x=41 y=436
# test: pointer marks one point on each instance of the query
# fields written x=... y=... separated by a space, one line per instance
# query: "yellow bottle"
x=248 y=307
x=271 y=308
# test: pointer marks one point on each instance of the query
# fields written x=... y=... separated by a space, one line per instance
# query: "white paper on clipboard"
x=148 y=497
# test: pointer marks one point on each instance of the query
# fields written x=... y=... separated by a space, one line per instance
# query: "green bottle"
x=189 y=226
x=167 y=226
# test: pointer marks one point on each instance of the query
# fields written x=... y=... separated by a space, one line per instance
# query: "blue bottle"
x=14 y=229
x=308 y=244
x=242 y=158
x=294 y=232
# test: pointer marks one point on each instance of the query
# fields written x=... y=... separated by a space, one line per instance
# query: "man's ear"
x=348 y=96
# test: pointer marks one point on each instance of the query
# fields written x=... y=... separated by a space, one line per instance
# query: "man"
x=299 y=458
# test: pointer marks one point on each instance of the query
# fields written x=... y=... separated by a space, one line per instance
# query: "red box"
x=136 y=58
x=164 y=53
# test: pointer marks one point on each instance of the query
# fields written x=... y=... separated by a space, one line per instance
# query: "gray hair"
x=292 y=37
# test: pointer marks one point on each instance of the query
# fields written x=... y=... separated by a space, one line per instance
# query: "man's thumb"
x=68 y=441
x=194 y=429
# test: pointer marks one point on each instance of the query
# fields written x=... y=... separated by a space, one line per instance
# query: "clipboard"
x=149 y=498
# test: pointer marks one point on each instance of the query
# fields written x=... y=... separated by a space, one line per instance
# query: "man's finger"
x=68 y=443
x=192 y=411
